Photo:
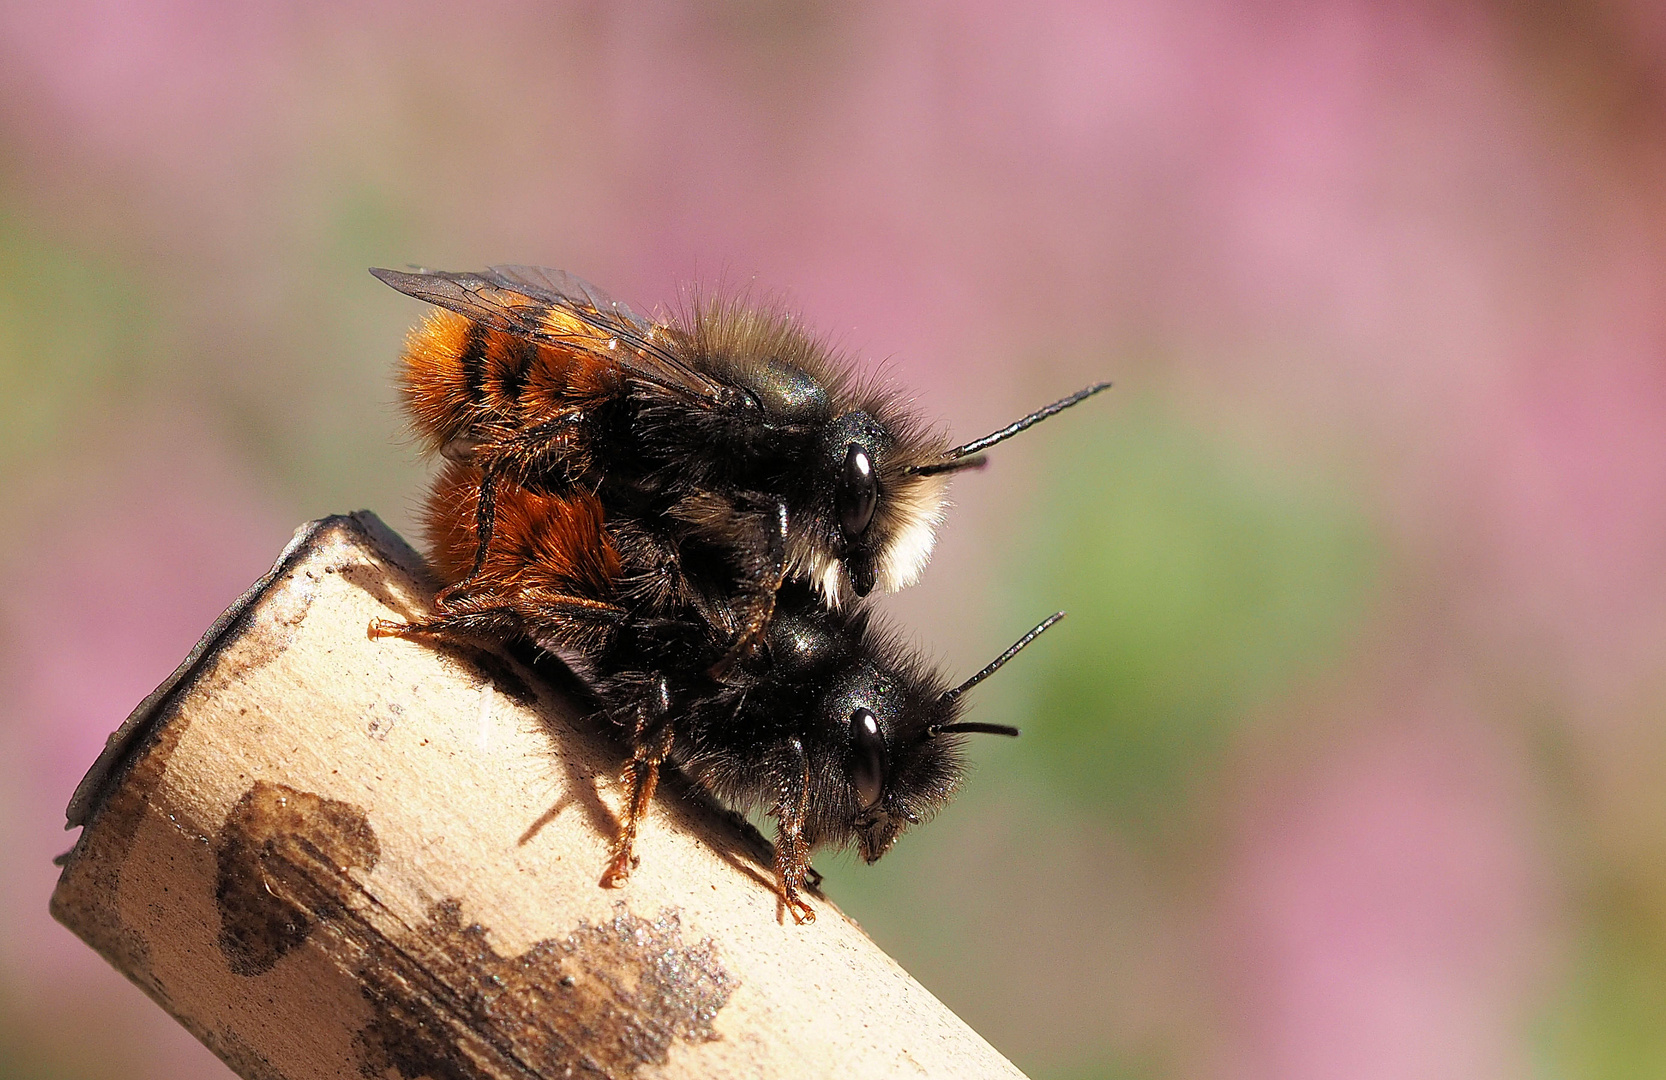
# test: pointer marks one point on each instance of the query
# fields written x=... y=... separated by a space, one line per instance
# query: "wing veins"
x=471 y=295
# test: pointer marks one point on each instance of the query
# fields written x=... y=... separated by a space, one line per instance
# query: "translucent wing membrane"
x=525 y=300
x=561 y=289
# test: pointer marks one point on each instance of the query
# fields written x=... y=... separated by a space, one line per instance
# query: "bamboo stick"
x=330 y=856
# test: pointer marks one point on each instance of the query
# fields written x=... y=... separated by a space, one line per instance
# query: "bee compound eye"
x=867 y=758
x=858 y=491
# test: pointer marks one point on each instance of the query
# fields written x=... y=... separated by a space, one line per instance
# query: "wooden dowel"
x=329 y=856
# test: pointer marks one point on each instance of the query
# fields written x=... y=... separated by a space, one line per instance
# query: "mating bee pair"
x=688 y=514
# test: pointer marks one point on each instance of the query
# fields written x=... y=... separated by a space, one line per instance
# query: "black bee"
x=835 y=728
x=730 y=453
x=845 y=737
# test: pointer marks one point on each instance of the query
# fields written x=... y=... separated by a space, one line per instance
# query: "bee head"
x=866 y=481
x=876 y=520
x=900 y=755
x=883 y=492
x=886 y=770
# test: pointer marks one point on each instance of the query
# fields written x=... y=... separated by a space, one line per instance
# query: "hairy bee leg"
x=792 y=847
x=766 y=569
x=642 y=777
x=488 y=616
x=652 y=743
x=792 y=860
x=484 y=622
x=485 y=514
x=530 y=453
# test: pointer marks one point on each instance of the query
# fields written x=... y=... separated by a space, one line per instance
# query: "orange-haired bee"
x=837 y=730
x=729 y=453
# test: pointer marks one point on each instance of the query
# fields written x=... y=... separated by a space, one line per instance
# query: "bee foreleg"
x=763 y=566
x=651 y=743
x=792 y=847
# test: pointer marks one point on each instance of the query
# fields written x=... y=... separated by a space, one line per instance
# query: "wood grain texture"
x=330 y=856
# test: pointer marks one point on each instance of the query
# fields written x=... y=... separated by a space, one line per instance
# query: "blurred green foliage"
x=1199 y=582
x=293 y=371
x=73 y=331
x=1606 y=1022
x=1105 y=1070
x=335 y=336
x=1610 y=1025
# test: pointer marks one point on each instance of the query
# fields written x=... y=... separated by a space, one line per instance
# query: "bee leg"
x=485 y=615
x=535 y=452
x=544 y=453
x=792 y=847
x=485 y=514
x=468 y=619
x=652 y=743
x=763 y=567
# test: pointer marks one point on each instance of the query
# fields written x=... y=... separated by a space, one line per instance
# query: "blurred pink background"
x=1351 y=761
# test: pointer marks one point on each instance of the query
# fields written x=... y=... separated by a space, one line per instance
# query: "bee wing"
x=561 y=289
x=540 y=304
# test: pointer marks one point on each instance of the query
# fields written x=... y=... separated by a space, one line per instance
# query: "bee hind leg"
x=542 y=451
x=651 y=744
x=529 y=613
x=472 y=617
x=485 y=514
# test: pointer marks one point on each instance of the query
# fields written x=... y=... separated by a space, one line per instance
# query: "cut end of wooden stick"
x=330 y=855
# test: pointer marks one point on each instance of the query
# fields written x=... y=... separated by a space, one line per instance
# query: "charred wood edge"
x=127 y=742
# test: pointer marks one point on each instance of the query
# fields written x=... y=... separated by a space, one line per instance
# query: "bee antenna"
x=976 y=461
x=990 y=669
x=961 y=456
x=985 y=729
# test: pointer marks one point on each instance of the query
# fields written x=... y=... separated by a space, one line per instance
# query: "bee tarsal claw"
x=385 y=628
x=801 y=912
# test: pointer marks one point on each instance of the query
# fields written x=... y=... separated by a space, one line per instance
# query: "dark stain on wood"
x=283 y=858
x=602 y=1002
x=231 y=1048
x=86 y=900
